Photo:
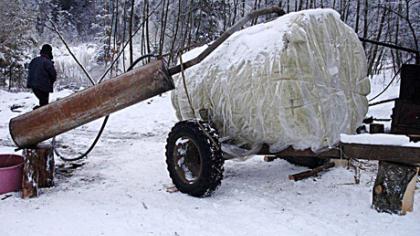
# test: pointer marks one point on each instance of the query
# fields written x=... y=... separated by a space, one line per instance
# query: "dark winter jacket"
x=41 y=74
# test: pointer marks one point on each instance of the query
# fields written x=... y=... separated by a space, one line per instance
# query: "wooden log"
x=312 y=172
x=38 y=171
x=394 y=187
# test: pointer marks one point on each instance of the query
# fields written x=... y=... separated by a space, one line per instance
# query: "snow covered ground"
x=122 y=188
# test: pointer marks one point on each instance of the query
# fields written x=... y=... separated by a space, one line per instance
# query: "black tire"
x=310 y=162
x=194 y=158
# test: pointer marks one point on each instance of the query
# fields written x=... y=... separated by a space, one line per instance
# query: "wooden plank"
x=408 y=155
x=312 y=172
x=290 y=152
x=400 y=154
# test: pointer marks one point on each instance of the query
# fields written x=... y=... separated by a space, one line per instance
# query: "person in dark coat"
x=42 y=75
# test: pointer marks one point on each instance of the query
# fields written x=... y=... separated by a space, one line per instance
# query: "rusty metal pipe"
x=90 y=104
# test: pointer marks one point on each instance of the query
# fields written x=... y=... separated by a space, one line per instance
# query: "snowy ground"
x=121 y=188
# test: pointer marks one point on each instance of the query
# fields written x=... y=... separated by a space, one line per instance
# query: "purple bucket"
x=11 y=167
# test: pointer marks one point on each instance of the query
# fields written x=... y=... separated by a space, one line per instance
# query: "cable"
x=386 y=88
x=390 y=82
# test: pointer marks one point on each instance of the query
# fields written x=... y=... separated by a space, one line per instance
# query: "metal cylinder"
x=90 y=104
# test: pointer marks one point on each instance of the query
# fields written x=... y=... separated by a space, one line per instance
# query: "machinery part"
x=90 y=104
x=310 y=162
x=405 y=118
x=194 y=158
x=406 y=112
x=410 y=83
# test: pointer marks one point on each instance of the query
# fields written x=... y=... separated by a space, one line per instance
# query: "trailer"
x=194 y=150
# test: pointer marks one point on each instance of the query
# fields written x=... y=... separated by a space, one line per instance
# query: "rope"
x=191 y=106
x=185 y=84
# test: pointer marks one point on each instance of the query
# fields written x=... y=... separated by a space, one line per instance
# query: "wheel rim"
x=187 y=160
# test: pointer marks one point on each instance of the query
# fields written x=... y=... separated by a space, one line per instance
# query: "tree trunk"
x=146 y=18
x=356 y=28
x=365 y=22
x=164 y=19
x=373 y=55
x=130 y=32
x=124 y=31
x=394 y=187
x=172 y=55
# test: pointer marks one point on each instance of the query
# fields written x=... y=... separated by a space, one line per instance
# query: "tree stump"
x=38 y=170
x=394 y=187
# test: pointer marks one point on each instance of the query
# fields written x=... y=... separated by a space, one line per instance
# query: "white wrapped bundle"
x=299 y=81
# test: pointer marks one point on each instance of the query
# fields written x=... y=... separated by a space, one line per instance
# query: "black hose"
x=102 y=126
x=89 y=149
x=140 y=59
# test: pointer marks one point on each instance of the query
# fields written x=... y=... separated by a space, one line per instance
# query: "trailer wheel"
x=194 y=158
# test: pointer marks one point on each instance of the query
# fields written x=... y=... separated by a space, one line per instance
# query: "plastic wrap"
x=299 y=81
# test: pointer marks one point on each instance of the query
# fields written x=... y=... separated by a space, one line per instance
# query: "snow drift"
x=299 y=81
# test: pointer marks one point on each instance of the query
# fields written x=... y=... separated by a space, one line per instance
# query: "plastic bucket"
x=11 y=167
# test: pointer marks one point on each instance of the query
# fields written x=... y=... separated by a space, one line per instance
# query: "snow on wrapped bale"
x=300 y=81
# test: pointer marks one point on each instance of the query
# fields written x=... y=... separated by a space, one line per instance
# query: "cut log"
x=394 y=187
x=38 y=171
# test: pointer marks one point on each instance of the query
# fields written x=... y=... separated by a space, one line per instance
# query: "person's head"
x=46 y=50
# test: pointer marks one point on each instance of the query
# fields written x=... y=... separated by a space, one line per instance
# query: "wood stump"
x=394 y=187
x=38 y=170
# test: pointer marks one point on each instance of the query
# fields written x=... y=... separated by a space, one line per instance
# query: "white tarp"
x=299 y=81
